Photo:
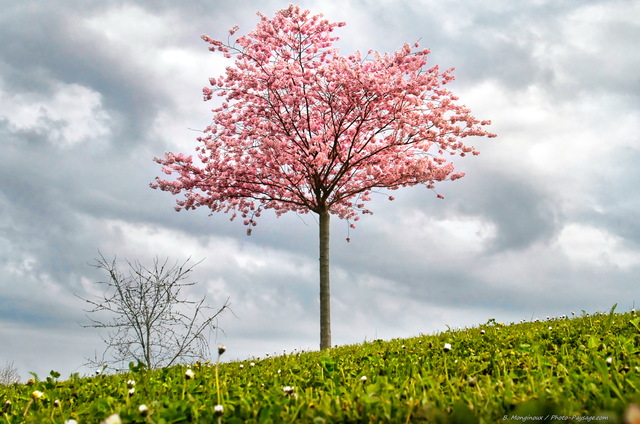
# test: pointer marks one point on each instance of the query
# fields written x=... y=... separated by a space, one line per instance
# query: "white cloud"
x=586 y=245
x=588 y=26
x=566 y=147
x=256 y=278
x=153 y=45
x=69 y=115
x=136 y=240
x=133 y=28
x=596 y=48
x=468 y=234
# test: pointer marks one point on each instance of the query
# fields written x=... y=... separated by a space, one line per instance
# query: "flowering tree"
x=302 y=128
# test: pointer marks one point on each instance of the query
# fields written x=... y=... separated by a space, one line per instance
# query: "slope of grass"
x=584 y=369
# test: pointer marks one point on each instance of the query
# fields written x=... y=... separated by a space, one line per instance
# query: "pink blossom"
x=207 y=92
x=321 y=132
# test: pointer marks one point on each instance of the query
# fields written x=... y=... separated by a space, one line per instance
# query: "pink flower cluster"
x=303 y=128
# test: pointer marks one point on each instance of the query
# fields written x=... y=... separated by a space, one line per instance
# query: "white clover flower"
x=550 y=328
x=288 y=389
x=253 y=364
x=113 y=419
x=131 y=384
x=71 y=422
x=363 y=378
x=609 y=360
x=189 y=374
x=241 y=366
x=37 y=394
x=482 y=332
x=143 y=409
x=447 y=347
x=218 y=409
x=56 y=403
x=98 y=372
x=132 y=391
x=221 y=349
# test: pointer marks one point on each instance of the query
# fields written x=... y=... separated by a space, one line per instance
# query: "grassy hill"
x=584 y=369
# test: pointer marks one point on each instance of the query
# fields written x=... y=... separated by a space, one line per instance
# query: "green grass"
x=585 y=369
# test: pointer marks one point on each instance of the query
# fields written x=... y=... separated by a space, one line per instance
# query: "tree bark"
x=325 y=296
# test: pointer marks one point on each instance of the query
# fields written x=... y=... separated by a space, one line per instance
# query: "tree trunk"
x=325 y=296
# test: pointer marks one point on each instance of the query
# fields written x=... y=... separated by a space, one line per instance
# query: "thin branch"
x=149 y=319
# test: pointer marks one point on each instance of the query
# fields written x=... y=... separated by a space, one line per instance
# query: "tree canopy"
x=303 y=128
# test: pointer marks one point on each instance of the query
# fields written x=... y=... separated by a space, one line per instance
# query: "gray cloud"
x=522 y=213
x=54 y=46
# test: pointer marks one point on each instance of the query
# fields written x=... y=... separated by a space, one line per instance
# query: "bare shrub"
x=9 y=374
x=151 y=322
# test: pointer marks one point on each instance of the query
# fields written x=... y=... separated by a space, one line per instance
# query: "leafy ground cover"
x=584 y=369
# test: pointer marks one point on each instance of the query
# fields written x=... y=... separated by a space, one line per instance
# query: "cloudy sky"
x=545 y=222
